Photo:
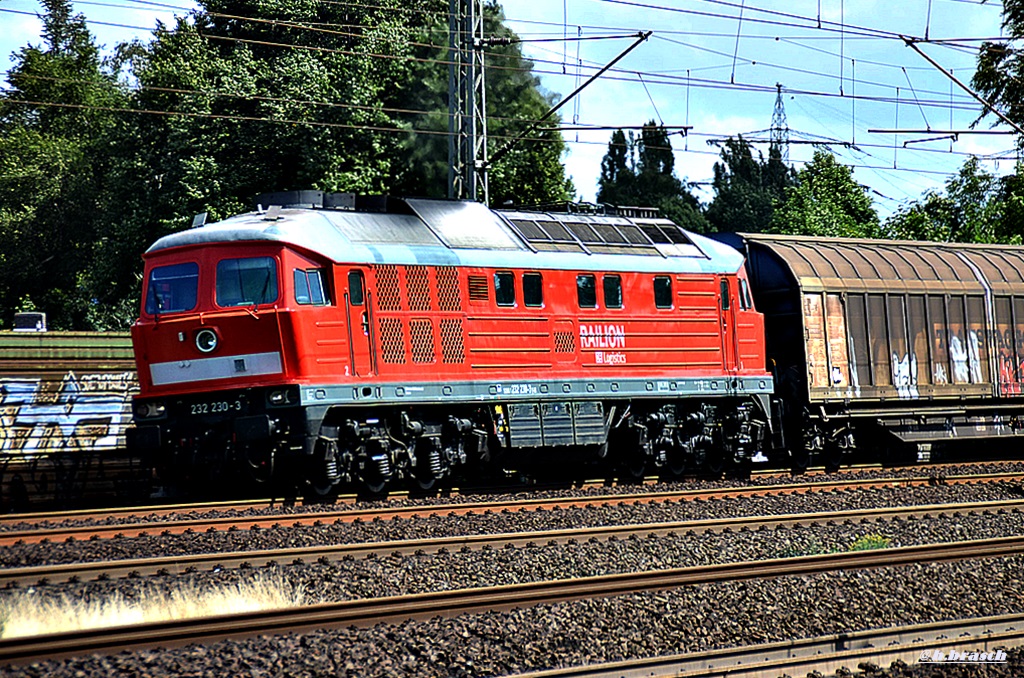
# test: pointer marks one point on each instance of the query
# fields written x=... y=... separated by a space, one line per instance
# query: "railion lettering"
x=602 y=336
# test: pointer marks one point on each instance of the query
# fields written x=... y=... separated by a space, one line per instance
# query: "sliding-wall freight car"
x=889 y=347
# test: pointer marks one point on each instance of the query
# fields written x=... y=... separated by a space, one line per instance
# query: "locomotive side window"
x=172 y=289
x=533 y=289
x=662 y=291
x=355 y=288
x=725 y=294
x=586 y=290
x=246 y=282
x=746 y=303
x=612 y=291
x=505 y=288
x=309 y=287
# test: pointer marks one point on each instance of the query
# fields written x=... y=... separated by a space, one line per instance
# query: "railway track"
x=425 y=606
x=824 y=654
x=185 y=564
x=149 y=511
x=148 y=526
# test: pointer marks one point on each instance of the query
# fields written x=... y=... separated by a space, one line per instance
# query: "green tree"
x=976 y=207
x=747 y=189
x=999 y=75
x=237 y=98
x=252 y=98
x=615 y=184
x=641 y=172
x=826 y=201
x=53 y=130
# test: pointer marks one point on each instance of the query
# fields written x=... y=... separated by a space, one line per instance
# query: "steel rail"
x=148 y=511
x=824 y=654
x=423 y=606
x=64 y=533
x=186 y=564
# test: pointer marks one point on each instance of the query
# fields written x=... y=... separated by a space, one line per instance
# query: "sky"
x=714 y=66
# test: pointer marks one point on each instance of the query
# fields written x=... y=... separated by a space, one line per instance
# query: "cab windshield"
x=246 y=282
x=172 y=289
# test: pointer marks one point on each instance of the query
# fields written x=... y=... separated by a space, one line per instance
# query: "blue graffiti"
x=87 y=413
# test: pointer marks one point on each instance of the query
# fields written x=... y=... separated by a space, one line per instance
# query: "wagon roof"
x=448 y=233
x=860 y=265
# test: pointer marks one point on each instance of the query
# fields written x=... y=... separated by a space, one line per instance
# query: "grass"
x=813 y=547
x=27 y=613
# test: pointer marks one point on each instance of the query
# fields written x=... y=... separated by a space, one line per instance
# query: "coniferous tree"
x=747 y=189
x=641 y=172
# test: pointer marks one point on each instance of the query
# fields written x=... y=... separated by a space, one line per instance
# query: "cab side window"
x=746 y=302
x=309 y=287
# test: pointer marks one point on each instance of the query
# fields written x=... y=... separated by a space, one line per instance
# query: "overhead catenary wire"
x=666 y=79
x=349 y=34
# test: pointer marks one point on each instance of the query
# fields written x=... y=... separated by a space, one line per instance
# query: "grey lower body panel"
x=561 y=390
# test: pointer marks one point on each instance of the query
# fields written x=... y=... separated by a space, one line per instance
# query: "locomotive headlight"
x=206 y=340
x=282 y=396
x=149 y=410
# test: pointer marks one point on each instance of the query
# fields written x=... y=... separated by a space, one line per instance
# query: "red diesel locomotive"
x=330 y=339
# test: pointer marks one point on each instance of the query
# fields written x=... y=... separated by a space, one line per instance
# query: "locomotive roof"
x=450 y=233
x=863 y=265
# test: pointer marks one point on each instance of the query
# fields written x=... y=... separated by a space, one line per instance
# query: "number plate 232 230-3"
x=216 y=407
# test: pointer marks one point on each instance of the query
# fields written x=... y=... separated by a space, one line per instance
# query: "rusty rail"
x=179 y=564
x=368 y=612
x=63 y=533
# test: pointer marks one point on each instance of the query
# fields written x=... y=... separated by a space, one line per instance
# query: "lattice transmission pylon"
x=780 y=128
x=467 y=125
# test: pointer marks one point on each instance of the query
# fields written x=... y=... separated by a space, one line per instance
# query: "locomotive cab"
x=225 y=337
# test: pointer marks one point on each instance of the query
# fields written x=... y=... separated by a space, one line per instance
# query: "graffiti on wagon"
x=75 y=413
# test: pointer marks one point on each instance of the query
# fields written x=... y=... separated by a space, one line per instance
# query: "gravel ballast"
x=289 y=536
x=590 y=631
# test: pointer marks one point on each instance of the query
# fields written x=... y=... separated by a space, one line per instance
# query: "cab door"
x=357 y=316
x=727 y=313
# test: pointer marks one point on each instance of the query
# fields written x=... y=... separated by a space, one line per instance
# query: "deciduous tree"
x=826 y=201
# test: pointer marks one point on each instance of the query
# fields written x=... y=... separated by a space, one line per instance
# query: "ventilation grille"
x=419 y=288
x=565 y=342
x=478 y=288
x=449 y=297
x=392 y=341
x=421 y=333
x=389 y=297
x=451 y=341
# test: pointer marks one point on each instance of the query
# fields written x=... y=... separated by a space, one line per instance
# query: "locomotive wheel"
x=677 y=463
x=799 y=460
x=425 y=483
x=375 y=487
x=260 y=466
x=635 y=467
x=714 y=463
x=322 y=492
x=832 y=459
